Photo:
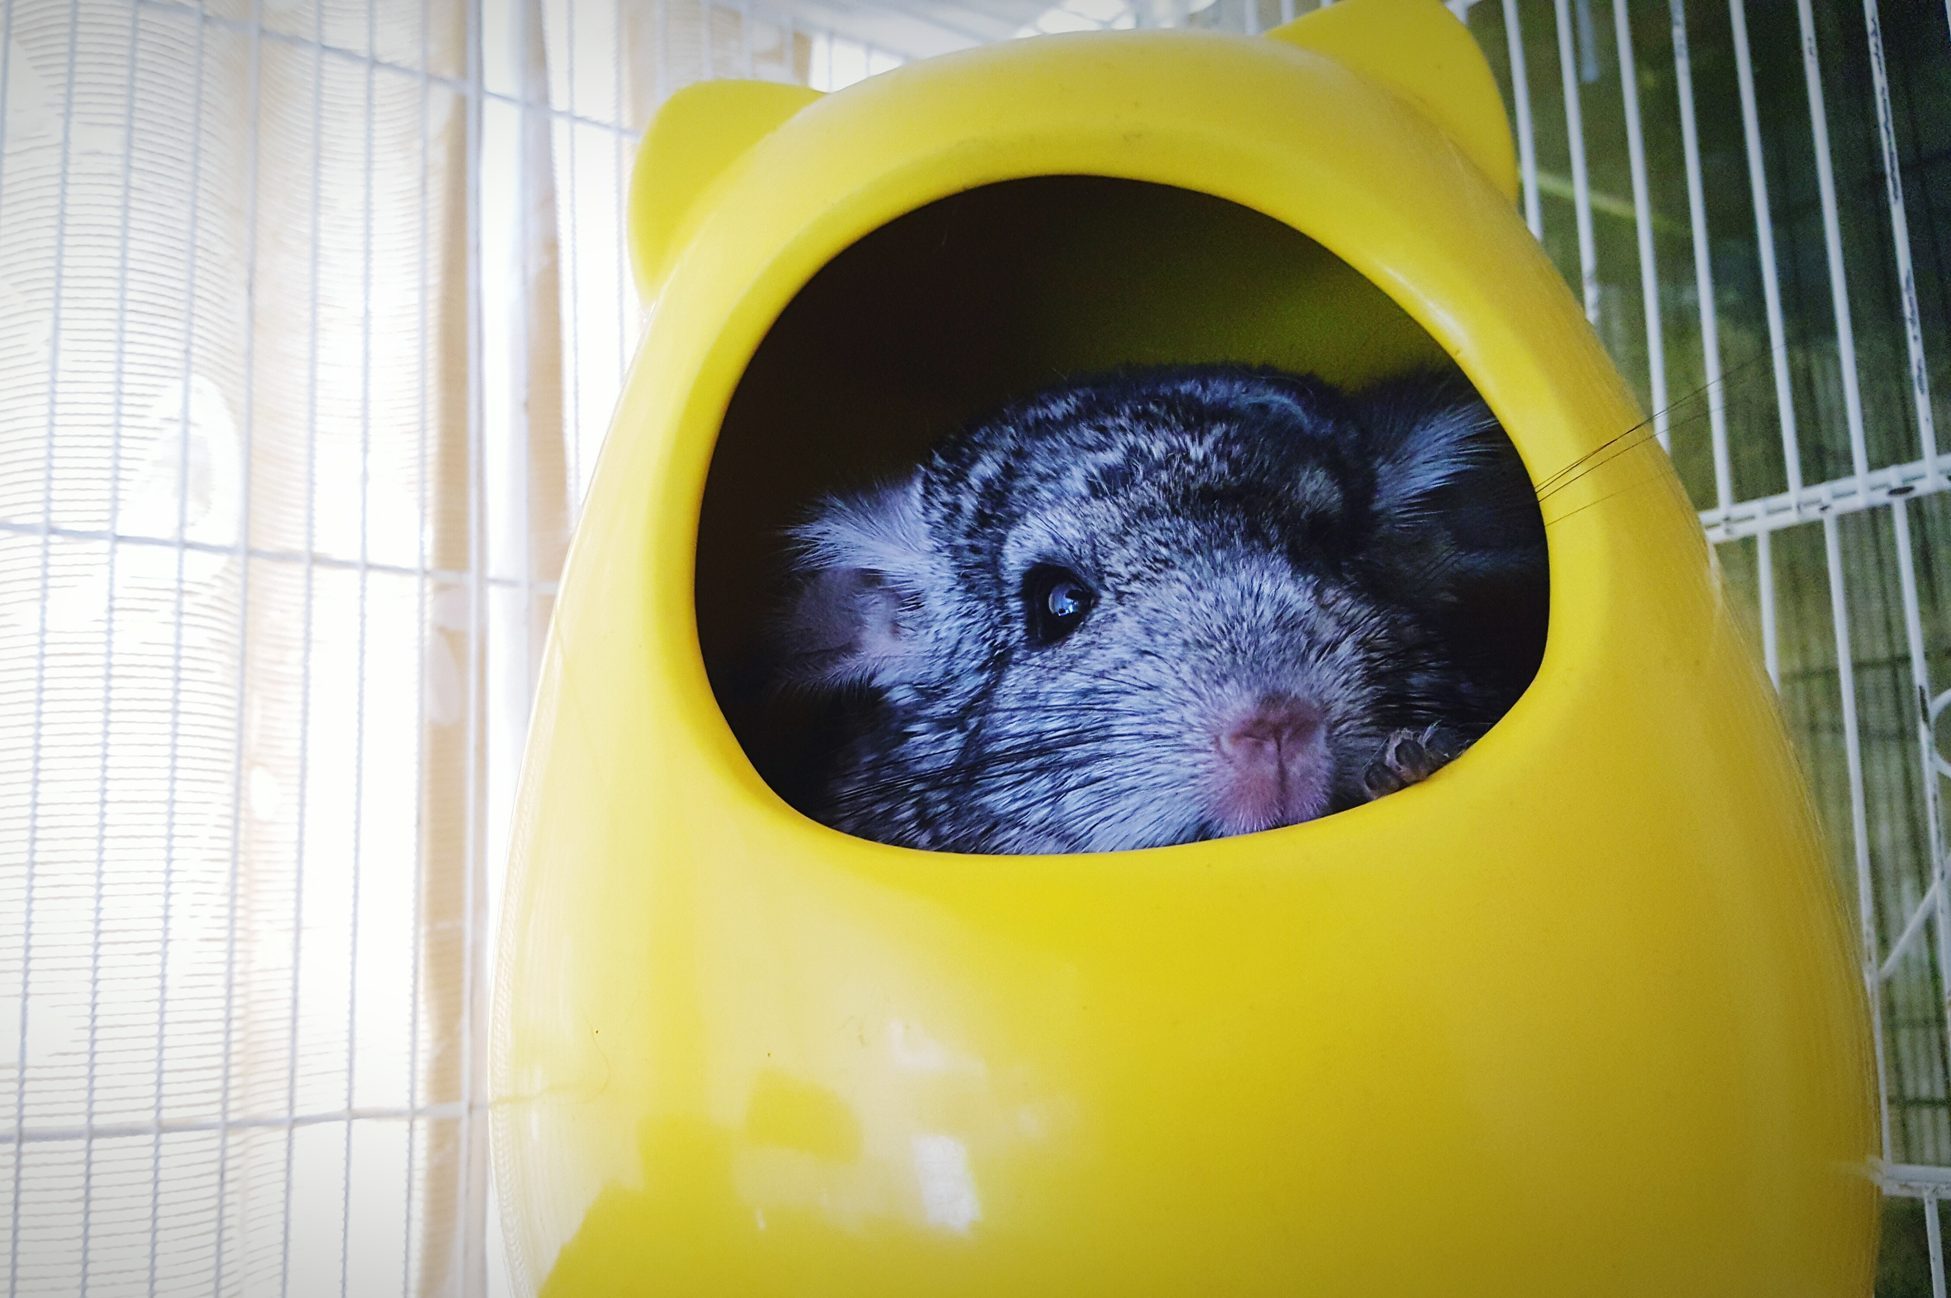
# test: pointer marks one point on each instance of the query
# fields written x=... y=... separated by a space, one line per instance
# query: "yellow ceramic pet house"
x=1576 y=1016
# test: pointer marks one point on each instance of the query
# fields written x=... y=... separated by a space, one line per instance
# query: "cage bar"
x=1771 y=645
x=1771 y=282
x=1527 y=143
x=1927 y=906
x=359 y=692
x=1920 y=378
x=1934 y=1241
x=571 y=248
x=1649 y=273
x=1858 y=813
x=1710 y=335
x=618 y=158
x=255 y=150
x=1920 y=682
x=422 y=615
x=310 y=570
x=40 y=641
x=108 y=674
x=1832 y=242
x=1832 y=499
x=473 y=1230
x=248 y=1122
x=1588 y=253
x=257 y=554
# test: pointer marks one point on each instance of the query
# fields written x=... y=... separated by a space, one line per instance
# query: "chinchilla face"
x=1153 y=608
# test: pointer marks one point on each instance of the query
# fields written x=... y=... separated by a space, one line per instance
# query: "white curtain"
x=237 y=641
x=311 y=315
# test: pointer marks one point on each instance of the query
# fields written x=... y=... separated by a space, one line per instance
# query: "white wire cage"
x=311 y=316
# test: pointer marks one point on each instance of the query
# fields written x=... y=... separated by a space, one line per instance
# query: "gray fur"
x=1250 y=535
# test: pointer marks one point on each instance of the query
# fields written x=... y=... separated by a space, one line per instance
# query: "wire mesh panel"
x=223 y=396
x=1755 y=200
x=313 y=314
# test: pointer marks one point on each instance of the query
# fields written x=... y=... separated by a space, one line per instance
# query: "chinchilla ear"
x=860 y=565
x=1456 y=516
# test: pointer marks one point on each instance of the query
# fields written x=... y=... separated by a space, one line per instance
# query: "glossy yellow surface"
x=1578 y=1016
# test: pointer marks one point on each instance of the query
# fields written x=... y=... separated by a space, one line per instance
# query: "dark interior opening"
x=956 y=308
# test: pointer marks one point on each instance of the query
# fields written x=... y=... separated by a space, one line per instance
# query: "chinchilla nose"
x=1273 y=732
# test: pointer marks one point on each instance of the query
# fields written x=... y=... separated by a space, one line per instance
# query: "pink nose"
x=1274 y=766
x=1274 y=734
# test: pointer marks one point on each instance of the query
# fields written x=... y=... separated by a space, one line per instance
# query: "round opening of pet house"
x=1576 y=1014
x=1190 y=593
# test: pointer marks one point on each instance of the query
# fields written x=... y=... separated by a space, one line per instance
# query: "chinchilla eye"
x=1055 y=603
